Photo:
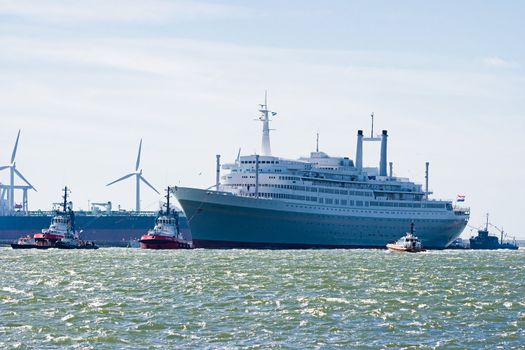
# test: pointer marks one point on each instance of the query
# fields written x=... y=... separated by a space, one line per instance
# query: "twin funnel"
x=359 y=151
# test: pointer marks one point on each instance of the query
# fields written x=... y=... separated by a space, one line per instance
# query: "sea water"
x=118 y=298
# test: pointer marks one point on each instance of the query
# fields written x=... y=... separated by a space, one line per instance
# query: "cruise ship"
x=319 y=201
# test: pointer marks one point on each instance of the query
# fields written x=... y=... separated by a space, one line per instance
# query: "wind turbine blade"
x=23 y=178
x=4 y=167
x=147 y=183
x=138 y=156
x=120 y=179
x=13 y=155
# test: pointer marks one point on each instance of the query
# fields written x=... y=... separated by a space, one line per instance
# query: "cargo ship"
x=100 y=223
x=109 y=227
x=113 y=227
x=319 y=201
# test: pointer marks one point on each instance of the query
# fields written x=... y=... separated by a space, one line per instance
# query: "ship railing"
x=88 y=212
x=458 y=210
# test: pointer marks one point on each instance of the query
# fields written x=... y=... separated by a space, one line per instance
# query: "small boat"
x=409 y=243
x=29 y=242
x=166 y=233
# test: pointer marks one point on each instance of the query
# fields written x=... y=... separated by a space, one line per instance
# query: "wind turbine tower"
x=138 y=178
x=12 y=172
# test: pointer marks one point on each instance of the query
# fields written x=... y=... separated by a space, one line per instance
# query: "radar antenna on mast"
x=265 y=118
x=66 y=191
x=372 y=130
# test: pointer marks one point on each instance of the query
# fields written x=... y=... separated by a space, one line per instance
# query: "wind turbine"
x=13 y=171
x=138 y=177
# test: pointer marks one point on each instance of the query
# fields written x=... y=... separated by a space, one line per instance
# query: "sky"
x=86 y=80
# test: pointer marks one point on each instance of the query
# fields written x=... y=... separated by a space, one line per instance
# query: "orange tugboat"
x=166 y=233
x=409 y=243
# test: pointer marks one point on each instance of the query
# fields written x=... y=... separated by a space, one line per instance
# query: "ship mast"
x=372 y=129
x=265 y=118
x=64 y=205
x=168 y=201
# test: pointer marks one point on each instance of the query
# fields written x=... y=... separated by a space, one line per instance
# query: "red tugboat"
x=29 y=242
x=60 y=234
x=165 y=234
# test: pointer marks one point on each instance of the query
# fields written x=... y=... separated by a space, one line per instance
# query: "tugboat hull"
x=156 y=242
x=28 y=246
x=63 y=245
x=399 y=249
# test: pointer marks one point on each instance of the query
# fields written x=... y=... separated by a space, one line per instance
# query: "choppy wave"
x=128 y=299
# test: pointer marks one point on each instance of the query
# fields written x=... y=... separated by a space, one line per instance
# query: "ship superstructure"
x=315 y=201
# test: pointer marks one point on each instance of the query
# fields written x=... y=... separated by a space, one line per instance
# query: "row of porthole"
x=360 y=211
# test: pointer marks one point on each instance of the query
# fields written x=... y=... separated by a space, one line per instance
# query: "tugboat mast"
x=168 y=201
x=64 y=205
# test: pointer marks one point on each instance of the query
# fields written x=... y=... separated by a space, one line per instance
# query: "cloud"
x=154 y=11
x=498 y=62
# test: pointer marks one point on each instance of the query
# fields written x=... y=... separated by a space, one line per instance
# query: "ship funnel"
x=382 y=162
x=359 y=151
x=218 y=172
